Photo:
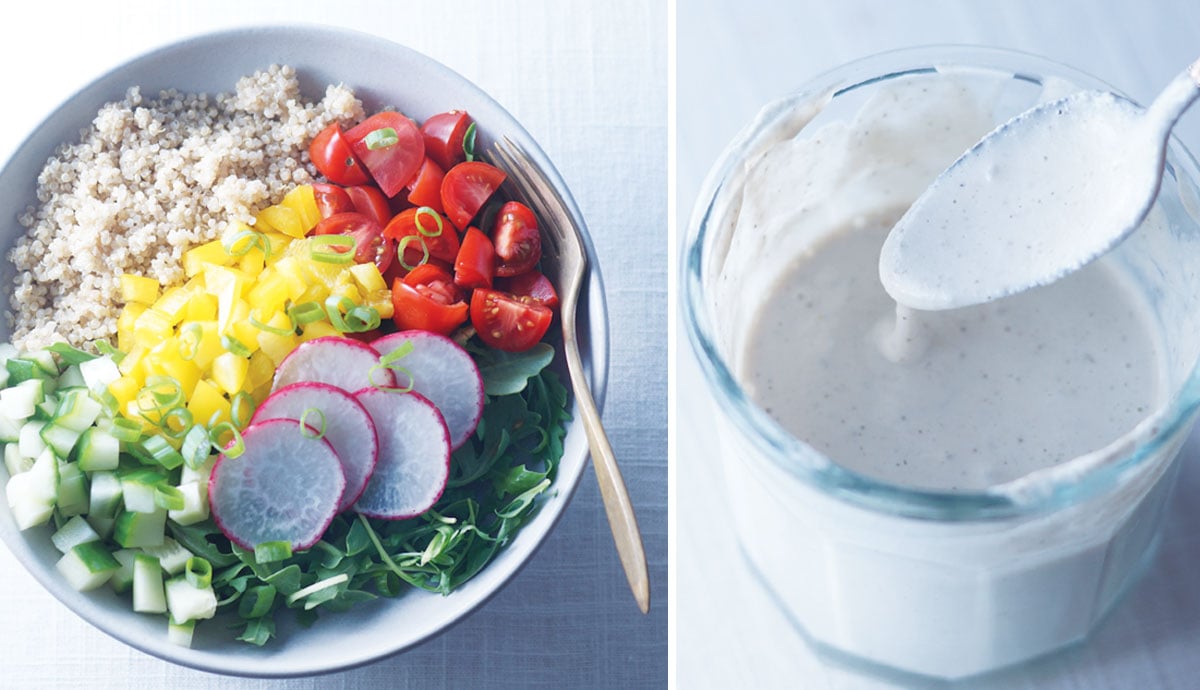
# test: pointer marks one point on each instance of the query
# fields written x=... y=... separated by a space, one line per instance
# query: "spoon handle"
x=1176 y=98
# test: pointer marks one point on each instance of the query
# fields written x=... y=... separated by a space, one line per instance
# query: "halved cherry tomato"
x=369 y=242
x=426 y=187
x=331 y=199
x=516 y=238
x=507 y=322
x=391 y=147
x=371 y=202
x=442 y=245
x=476 y=262
x=427 y=299
x=444 y=136
x=334 y=158
x=531 y=284
x=466 y=187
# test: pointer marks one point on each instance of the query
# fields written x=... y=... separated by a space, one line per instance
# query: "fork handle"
x=617 y=506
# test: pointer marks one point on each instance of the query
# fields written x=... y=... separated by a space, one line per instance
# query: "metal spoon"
x=563 y=244
x=1041 y=196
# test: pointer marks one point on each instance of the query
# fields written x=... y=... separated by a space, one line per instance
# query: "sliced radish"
x=342 y=362
x=414 y=455
x=347 y=424
x=444 y=373
x=285 y=486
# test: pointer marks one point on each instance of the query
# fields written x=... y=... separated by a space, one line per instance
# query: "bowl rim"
x=594 y=350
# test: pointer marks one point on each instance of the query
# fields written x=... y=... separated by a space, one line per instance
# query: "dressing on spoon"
x=1036 y=199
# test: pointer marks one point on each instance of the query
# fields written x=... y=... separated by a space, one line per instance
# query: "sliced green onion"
x=237 y=347
x=125 y=430
x=306 y=312
x=234 y=245
x=195 y=447
x=104 y=348
x=242 y=409
x=189 y=340
x=111 y=405
x=272 y=551
x=161 y=452
x=389 y=361
x=403 y=245
x=175 y=423
x=272 y=329
x=347 y=317
x=71 y=355
x=381 y=138
x=469 y=142
x=317 y=587
x=198 y=572
x=257 y=601
x=332 y=249
x=235 y=447
x=158 y=396
x=437 y=219
x=305 y=427
x=168 y=497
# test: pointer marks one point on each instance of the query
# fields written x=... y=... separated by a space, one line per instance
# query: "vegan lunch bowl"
x=279 y=394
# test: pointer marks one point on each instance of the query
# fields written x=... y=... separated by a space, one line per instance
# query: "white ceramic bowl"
x=381 y=73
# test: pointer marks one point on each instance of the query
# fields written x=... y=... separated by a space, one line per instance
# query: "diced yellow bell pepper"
x=201 y=307
x=368 y=277
x=151 y=328
x=317 y=329
x=125 y=323
x=261 y=371
x=252 y=262
x=124 y=389
x=207 y=405
x=138 y=289
x=173 y=304
x=213 y=253
x=303 y=201
x=283 y=219
x=229 y=372
x=382 y=301
x=288 y=267
x=270 y=293
x=274 y=345
x=199 y=342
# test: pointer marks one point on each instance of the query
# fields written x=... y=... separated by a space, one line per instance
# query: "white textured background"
x=588 y=80
x=733 y=56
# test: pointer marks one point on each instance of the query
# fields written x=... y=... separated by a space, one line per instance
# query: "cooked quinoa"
x=146 y=182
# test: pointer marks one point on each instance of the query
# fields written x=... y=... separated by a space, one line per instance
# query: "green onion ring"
x=332 y=249
x=306 y=312
x=403 y=245
x=381 y=138
x=234 y=246
x=272 y=329
x=235 y=346
x=437 y=218
x=189 y=338
x=242 y=408
x=304 y=427
x=236 y=445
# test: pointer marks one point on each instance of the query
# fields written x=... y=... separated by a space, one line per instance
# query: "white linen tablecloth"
x=734 y=57
x=589 y=81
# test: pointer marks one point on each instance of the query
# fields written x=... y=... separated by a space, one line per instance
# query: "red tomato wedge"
x=507 y=322
x=427 y=299
x=369 y=242
x=330 y=151
x=439 y=237
x=426 y=187
x=465 y=189
x=371 y=202
x=331 y=199
x=531 y=284
x=445 y=135
x=476 y=262
x=391 y=147
x=516 y=238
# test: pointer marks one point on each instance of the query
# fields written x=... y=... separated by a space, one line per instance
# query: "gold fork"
x=563 y=246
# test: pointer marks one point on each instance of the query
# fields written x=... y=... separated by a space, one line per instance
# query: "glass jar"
x=939 y=583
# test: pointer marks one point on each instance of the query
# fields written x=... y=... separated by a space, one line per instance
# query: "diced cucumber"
x=138 y=488
x=59 y=438
x=98 y=450
x=122 y=580
x=140 y=529
x=162 y=452
x=180 y=633
x=14 y=461
x=105 y=495
x=148 y=593
x=19 y=402
x=87 y=566
x=31 y=494
x=10 y=429
x=73 y=498
x=44 y=411
x=31 y=443
x=195 y=504
x=103 y=526
x=71 y=378
x=77 y=410
x=99 y=373
x=44 y=359
x=187 y=602
x=74 y=532
x=8 y=351
x=200 y=473
x=21 y=370
x=171 y=555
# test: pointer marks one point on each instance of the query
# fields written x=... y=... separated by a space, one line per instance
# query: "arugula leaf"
x=507 y=373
